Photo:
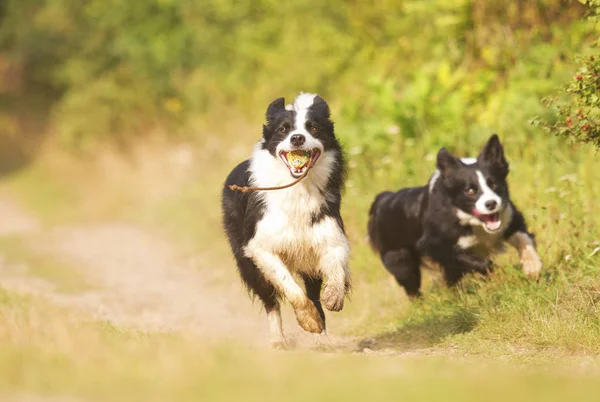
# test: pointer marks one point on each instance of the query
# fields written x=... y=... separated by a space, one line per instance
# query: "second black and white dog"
x=459 y=219
x=297 y=232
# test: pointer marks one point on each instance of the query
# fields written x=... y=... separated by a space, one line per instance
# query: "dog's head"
x=299 y=133
x=477 y=187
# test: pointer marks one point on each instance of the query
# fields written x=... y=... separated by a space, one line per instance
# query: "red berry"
x=586 y=127
x=579 y=77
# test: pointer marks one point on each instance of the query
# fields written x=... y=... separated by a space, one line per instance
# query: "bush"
x=576 y=108
x=122 y=69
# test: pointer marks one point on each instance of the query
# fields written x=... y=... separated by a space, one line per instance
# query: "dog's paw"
x=333 y=298
x=309 y=318
x=414 y=295
x=531 y=263
x=279 y=345
x=322 y=343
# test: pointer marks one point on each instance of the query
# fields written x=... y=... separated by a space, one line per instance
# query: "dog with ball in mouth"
x=294 y=235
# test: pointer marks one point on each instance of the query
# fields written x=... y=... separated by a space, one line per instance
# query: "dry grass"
x=49 y=351
x=552 y=327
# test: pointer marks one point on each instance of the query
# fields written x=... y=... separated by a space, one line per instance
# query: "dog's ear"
x=274 y=108
x=321 y=107
x=446 y=161
x=492 y=155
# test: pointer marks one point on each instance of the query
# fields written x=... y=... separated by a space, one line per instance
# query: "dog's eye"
x=492 y=185
x=471 y=191
x=313 y=129
x=284 y=130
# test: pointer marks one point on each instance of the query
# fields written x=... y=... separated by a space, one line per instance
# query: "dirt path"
x=138 y=281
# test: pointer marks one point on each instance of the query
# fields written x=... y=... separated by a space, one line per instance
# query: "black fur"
x=422 y=221
x=243 y=211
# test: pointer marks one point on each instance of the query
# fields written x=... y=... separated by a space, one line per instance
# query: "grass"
x=50 y=351
x=20 y=254
x=510 y=336
x=554 y=185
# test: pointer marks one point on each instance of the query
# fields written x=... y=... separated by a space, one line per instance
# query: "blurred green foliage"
x=429 y=69
x=578 y=104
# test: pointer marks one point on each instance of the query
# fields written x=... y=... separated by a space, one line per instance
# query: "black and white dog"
x=459 y=219
x=279 y=235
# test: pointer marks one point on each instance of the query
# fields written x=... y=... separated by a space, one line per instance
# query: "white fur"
x=466 y=242
x=530 y=260
x=333 y=259
x=304 y=101
x=301 y=105
x=492 y=241
x=465 y=219
x=434 y=178
x=488 y=195
x=286 y=241
x=276 y=336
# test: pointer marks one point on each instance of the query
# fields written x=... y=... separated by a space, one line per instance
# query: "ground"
x=99 y=302
x=133 y=278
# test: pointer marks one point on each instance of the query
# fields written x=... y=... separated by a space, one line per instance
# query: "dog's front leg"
x=275 y=271
x=334 y=255
x=334 y=265
x=530 y=260
x=455 y=261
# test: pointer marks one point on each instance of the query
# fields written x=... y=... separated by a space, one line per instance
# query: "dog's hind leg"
x=276 y=337
x=268 y=295
x=313 y=291
x=404 y=265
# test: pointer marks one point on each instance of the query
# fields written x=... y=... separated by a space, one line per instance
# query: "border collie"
x=459 y=220
x=280 y=236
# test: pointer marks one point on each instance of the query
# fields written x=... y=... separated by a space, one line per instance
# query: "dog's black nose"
x=297 y=140
x=491 y=204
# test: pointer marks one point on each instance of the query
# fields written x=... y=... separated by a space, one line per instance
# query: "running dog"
x=295 y=233
x=461 y=218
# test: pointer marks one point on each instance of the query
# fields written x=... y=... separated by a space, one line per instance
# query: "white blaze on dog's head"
x=492 y=169
x=488 y=203
x=299 y=135
x=476 y=187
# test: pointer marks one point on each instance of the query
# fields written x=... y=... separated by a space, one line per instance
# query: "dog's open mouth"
x=300 y=160
x=491 y=222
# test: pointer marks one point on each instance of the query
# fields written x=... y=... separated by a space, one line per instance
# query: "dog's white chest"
x=482 y=242
x=287 y=228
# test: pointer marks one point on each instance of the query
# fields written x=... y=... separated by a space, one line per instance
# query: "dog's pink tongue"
x=492 y=221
